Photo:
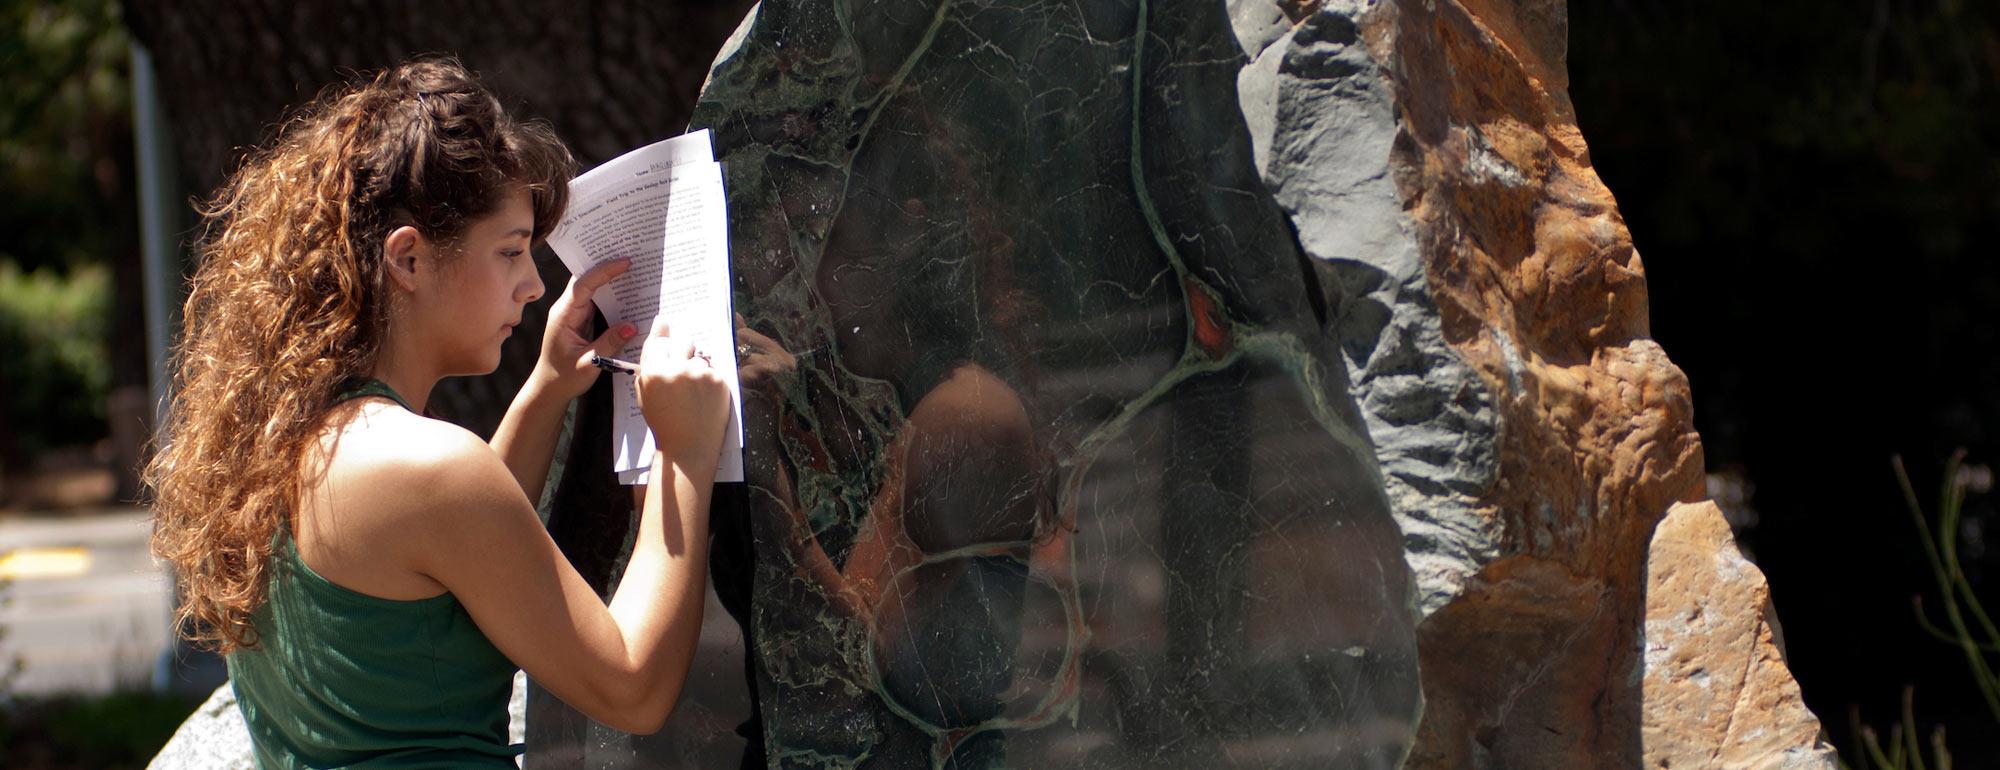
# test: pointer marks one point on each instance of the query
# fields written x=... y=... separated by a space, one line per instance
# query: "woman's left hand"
x=761 y=363
x=564 y=369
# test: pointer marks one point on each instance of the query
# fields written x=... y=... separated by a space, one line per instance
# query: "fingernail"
x=627 y=330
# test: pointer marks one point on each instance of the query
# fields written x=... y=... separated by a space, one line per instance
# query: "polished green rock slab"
x=1066 y=471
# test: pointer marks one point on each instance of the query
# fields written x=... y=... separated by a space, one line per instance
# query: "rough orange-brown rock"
x=1532 y=435
x=1716 y=692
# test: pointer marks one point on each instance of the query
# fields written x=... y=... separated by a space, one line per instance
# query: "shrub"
x=54 y=365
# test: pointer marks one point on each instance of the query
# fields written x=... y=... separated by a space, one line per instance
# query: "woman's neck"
x=408 y=374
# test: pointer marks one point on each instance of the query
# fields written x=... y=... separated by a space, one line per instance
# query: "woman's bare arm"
x=622 y=664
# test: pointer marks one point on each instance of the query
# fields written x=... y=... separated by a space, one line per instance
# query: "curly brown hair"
x=289 y=304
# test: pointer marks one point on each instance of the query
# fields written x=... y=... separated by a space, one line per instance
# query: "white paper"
x=662 y=205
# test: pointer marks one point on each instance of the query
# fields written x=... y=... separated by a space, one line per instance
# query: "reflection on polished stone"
x=1052 y=460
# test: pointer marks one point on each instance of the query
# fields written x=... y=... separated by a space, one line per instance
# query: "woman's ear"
x=402 y=250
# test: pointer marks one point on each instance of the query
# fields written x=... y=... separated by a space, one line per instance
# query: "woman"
x=375 y=576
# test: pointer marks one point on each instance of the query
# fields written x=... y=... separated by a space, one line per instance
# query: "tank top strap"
x=372 y=387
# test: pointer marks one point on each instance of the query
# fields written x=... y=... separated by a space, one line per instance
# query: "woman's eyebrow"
x=519 y=232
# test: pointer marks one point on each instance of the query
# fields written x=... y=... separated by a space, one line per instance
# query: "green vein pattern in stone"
x=1070 y=475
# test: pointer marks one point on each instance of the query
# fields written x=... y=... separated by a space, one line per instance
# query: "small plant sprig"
x=1905 y=751
x=1968 y=626
x=1971 y=628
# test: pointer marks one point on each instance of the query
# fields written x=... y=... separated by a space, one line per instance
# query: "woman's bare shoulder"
x=390 y=446
x=395 y=481
x=389 y=493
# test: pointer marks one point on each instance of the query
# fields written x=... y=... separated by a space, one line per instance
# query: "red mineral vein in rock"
x=1211 y=330
x=800 y=435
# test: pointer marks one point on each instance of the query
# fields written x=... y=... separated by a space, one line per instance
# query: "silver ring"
x=743 y=351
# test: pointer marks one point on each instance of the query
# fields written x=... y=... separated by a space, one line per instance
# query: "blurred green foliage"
x=65 y=132
x=52 y=338
x=68 y=215
x=103 y=732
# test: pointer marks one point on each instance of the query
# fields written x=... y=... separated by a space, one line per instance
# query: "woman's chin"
x=490 y=365
x=475 y=366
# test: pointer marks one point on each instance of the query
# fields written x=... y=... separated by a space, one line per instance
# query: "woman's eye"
x=512 y=254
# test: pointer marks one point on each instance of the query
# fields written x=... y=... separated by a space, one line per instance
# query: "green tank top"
x=343 y=679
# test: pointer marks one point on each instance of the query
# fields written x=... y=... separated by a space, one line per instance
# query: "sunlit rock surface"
x=1716 y=690
x=1531 y=432
x=212 y=738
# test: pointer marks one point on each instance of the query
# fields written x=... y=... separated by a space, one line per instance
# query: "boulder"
x=213 y=738
x=1532 y=436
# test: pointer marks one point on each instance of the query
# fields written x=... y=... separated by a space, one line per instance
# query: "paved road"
x=83 y=606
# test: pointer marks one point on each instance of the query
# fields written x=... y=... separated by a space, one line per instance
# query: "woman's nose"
x=533 y=285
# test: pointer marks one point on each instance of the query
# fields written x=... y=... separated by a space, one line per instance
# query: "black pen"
x=613 y=365
x=619 y=365
x=627 y=367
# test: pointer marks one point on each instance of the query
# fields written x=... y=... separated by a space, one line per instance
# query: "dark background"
x=1813 y=188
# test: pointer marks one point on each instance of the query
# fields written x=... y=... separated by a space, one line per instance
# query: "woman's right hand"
x=683 y=397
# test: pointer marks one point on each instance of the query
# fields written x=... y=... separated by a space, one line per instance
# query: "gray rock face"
x=1531 y=434
x=1322 y=119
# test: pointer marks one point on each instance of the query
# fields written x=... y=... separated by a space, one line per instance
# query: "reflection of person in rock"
x=939 y=559
x=376 y=576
